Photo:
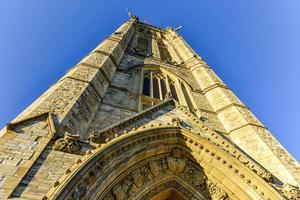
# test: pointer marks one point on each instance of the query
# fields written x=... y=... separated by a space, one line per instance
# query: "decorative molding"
x=247 y=124
x=129 y=141
x=231 y=105
x=213 y=86
x=291 y=192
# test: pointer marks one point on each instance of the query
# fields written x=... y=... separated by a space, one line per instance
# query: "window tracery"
x=158 y=86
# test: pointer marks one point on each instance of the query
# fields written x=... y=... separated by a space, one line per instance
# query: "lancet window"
x=187 y=96
x=155 y=85
x=158 y=86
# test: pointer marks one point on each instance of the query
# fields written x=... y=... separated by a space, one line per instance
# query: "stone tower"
x=142 y=117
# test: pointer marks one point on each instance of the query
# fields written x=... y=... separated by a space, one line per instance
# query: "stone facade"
x=142 y=117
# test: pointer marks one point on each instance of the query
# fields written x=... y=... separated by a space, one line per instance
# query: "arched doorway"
x=161 y=162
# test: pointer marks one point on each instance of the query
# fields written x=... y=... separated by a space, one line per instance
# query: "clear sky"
x=253 y=45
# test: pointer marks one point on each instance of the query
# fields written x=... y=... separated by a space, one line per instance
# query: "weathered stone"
x=131 y=140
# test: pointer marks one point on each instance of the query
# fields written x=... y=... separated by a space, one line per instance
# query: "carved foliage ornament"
x=291 y=192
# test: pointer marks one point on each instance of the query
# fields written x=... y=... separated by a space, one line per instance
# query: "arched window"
x=173 y=91
x=187 y=96
x=158 y=87
x=163 y=88
x=146 y=87
x=154 y=85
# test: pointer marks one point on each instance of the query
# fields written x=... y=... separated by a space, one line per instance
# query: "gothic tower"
x=142 y=117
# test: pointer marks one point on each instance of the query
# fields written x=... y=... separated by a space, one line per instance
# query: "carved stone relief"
x=175 y=164
x=291 y=192
x=69 y=143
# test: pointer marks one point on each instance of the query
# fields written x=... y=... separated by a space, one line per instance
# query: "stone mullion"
x=167 y=84
x=141 y=84
x=160 y=91
x=151 y=84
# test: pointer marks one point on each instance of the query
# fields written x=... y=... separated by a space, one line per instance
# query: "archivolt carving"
x=174 y=164
x=291 y=192
x=88 y=178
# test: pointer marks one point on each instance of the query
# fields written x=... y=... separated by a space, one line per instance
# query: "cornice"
x=151 y=27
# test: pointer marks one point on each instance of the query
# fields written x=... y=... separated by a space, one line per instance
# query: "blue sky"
x=252 y=45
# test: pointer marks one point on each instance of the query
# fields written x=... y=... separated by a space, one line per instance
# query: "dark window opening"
x=155 y=88
x=187 y=97
x=146 y=88
x=163 y=88
x=173 y=92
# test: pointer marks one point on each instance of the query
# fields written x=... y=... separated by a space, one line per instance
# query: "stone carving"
x=266 y=175
x=176 y=121
x=69 y=143
x=154 y=168
x=95 y=137
x=216 y=192
x=176 y=161
x=173 y=164
x=291 y=192
x=138 y=177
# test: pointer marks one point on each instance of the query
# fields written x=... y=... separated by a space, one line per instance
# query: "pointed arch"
x=163 y=84
x=128 y=166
